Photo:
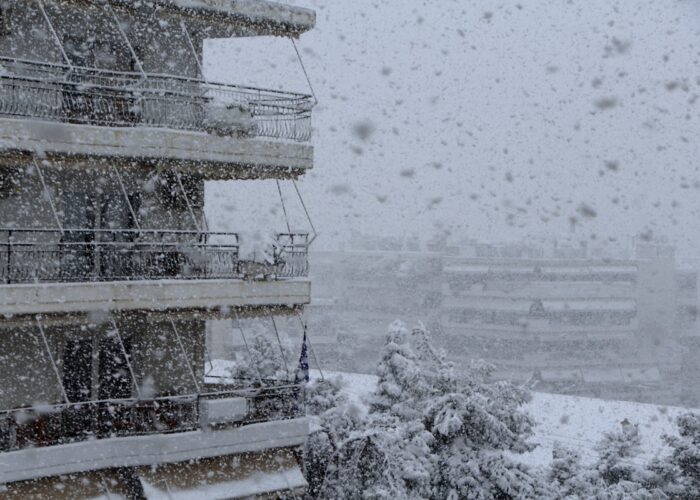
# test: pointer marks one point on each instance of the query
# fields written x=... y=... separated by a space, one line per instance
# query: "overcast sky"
x=499 y=120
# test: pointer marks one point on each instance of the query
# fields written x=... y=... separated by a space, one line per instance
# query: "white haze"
x=499 y=120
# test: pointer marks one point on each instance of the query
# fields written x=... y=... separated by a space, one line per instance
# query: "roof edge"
x=273 y=17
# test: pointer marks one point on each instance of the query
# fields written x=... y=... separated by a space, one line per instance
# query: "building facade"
x=562 y=319
x=108 y=132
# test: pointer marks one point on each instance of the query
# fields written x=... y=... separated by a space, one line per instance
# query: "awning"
x=225 y=477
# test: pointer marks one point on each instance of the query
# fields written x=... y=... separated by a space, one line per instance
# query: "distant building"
x=108 y=271
x=370 y=289
x=564 y=320
x=554 y=316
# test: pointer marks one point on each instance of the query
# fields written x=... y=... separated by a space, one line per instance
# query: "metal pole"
x=308 y=217
x=194 y=51
x=126 y=357
x=48 y=193
x=8 y=276
x=126 y=39
x=189 y=206
x=303 y=68
x=208 y=356
x=245 y=342
x=284 y=208
x=53 y=362
x=279 y=341
x=311 y=347
x=55 y=35
x=184 y=353
x=126 y=197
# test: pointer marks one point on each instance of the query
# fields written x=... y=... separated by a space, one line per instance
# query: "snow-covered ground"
x=576 y=422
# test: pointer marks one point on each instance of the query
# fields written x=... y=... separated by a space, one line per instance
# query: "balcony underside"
x=213 y=157
x=46 y=298
x=138 y=451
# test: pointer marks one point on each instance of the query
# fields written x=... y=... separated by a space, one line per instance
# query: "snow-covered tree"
x=263 y=360
x=428 y=433
x=617 y=452
x=332 y=420
x=570 y=476
x=402 y=384
x=683 y=465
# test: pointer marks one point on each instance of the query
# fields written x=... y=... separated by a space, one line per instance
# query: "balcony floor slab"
x=137 y=451
x=212 y=156
x=46 y=298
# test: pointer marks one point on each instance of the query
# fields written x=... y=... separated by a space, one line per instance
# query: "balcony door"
x=120 y=256
x=99 y=241
x=77 y=248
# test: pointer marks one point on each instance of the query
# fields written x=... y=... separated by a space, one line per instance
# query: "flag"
x=302 y=374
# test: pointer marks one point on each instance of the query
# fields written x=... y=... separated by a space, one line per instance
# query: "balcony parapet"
x=52 y=425
x=80 y=256
x=88 y=96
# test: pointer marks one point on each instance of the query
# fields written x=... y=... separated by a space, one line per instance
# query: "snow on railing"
x=50 y=425
x=122 y=99
x=80 y=255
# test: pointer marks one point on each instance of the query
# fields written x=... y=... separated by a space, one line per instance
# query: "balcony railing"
x=77 y=255
x=69 y=423
x=121 y=99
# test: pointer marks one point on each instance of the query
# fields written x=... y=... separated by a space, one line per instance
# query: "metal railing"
x=69 y=423
x=122 y=99
x=79 y=255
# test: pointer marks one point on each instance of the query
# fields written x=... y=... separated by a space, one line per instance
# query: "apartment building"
x=109 y=273
x=566 y=321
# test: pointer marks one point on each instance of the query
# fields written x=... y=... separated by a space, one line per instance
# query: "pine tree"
x=401 y=383
x=573 y=479
x=685 y=458
x=428 y=433
x=617 y=452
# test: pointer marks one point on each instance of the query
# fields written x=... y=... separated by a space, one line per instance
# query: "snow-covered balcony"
x=51 y=440
x=82 y=270
x=59 y=110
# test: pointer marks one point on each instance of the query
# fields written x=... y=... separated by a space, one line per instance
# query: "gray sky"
x=502 y=120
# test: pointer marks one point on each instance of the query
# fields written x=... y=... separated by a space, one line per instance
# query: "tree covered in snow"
x=568 y=474
x=402 y=385
x=617 y=473
x=678 y=473
x=429 y=433
x=618 y=451
x=262 y=360
x=332 y=420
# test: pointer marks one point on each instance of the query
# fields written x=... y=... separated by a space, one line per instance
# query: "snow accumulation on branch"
x=417 y=430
